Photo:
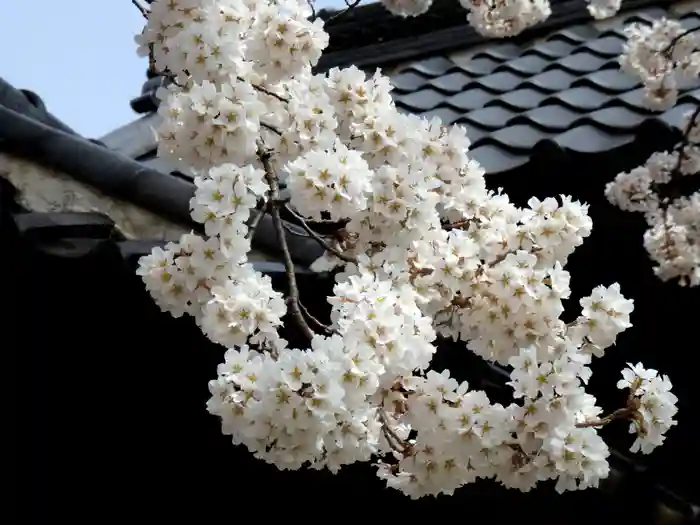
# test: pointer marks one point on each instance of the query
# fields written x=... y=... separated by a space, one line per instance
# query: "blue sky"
x=78 y=57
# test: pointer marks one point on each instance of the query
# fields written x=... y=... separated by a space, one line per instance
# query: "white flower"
x=334 y=181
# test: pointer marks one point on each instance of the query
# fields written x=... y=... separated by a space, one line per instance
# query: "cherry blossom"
x=423 y=251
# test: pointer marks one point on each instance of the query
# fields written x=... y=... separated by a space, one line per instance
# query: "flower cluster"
x=673 y=237
x=662 y=55
x=335 y=180
x=308 y=407
x=653 y=403
x=425 y=249
x=665 y=55
x=503 y=18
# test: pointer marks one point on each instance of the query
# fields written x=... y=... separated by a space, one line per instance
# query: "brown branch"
x=272 y=128
x=320 y=240
x=142 y=10
x=262 y=211
x=620 y=413
x=262 y=89
x=457 y=225
x=274 y=198
x=315 y=321
x=392 y=438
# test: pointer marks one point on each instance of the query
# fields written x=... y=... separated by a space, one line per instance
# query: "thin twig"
x=274 y=197
x=272 y=128
x=296 y=233
x=392 y=438
x=262 y=211
x=340 y=255
x=142 y=9
x=315 y=321
x=349 y=5
x=262 y=89
x=457 y=225
x=674 y=41
x=620 y=413
x=313 y=9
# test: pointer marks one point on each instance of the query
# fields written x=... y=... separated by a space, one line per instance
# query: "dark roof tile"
x=618 y=118
x=528 y=64
x=452 y=83
x=608 y=46
x=492 y=117
x=552 y=80
x=581 y=62
x=634 y=99
x=610 y=80
x=477 y=134
x=495 y=159
x=676 y=115
x=421 y=100
x=590 y=139
x=520 y=136
x=522 y=99
x=501 y=82
x=552 y=49
x=579 y=33
x=471 y=99
x=446 y=115
x=500 y=52
x=581 y=98
x=553 y=117
x=691 y=21
x=433 y=66
x=136 y=139
x=481 y=65
x=409 y=81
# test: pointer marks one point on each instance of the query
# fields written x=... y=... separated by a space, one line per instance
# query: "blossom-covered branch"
x=425 y=251
x=663 y=55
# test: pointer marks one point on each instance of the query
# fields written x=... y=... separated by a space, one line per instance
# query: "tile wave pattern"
x=567 y=88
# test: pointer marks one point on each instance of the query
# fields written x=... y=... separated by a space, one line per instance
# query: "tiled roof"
x=511 y=95
x=567 y=88
x=113 y=166
x=369 y=35
x=77 y=234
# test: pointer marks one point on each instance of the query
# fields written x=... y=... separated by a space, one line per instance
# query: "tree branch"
x=620 y=413
x=293 y=298
x=262 y=211
x=668 y=50
x=315 y=321
x=325 y=244
x=262 y=89
x=349 y=4
x=395 y=442
x=272 y=128
x=294 y=232
x=143 y=10
x=313 y=9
